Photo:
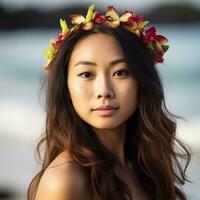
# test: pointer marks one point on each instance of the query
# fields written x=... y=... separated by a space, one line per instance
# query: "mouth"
x=106 y=111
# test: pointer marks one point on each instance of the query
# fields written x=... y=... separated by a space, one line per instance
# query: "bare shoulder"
x=62 y=180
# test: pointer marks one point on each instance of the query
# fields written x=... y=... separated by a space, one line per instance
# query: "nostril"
x=109 y=94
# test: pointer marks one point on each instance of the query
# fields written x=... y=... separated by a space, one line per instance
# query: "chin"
x=105 y=125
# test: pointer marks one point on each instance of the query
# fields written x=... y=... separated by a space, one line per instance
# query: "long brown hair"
x=150 y=142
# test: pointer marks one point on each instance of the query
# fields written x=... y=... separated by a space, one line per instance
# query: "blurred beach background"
x=25 y=29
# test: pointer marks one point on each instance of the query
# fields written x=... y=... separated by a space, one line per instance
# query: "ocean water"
x=22 y=111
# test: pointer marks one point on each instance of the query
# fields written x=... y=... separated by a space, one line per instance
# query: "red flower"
x=134 y=19
x=156 y=44
x=159 y=57
x=99 y=18
x=150 y=35
x=58 y=41
x=131 y=21
x=139 y=19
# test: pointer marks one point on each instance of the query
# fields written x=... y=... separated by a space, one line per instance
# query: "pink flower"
x=150 y=35
x=99 y=18
x=135 y=23
x=134 y=19
x=156 y=43
x=159 y=57
x=60 y=37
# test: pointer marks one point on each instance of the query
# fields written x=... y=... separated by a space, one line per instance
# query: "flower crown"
x=157 y=44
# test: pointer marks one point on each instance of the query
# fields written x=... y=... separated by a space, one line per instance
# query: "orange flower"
x=84 y=22
x=157 y=44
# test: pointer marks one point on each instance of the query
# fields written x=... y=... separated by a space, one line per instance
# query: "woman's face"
x=98 y=76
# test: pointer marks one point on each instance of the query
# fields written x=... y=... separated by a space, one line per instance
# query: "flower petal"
x=161 y=39
x=77 y=19
x=112 y=24
x=60 y=37
x=137 y=32
x=165 y=47
x=90 y=12
x=125 y=17
x=112 y=13
x=141 y=25
x=99 y=18
x=151 y=31
x=64 y=26
x=158 y=47
x=88 y=26
x=158 y=57
x=51 y=51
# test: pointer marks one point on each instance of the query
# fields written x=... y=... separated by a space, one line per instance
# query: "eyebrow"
x=112 y=63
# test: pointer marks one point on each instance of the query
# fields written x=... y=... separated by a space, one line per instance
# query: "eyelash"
x=123 y=70
x=126 y=73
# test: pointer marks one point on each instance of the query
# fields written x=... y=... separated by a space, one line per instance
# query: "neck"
x=113 y=139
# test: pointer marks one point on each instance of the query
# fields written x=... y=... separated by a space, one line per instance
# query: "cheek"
x=129 y=95
x=78 y=91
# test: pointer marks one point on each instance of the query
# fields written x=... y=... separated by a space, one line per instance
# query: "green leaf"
x=50 y=52
x=64 y=26
x=142 y=24
x=165 y=47
x=90 y=12
x=151 y=47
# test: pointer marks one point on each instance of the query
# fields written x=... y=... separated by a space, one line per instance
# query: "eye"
x=122 y=73
x=86 y=75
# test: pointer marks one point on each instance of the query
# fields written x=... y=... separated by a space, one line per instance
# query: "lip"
x=106 y=107
x=105 y=110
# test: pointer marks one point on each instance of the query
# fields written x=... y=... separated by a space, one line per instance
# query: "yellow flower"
x=50 y=52
x=64 y=27
x=85 y=22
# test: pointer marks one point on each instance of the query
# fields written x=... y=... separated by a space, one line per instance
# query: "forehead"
x=96 y=47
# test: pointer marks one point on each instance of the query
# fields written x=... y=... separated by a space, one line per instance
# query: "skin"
x=98 y=75
x=104 y=84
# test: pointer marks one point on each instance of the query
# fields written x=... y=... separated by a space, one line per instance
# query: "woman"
x=108 y=132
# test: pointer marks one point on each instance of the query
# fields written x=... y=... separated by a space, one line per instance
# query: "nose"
x=104 y=88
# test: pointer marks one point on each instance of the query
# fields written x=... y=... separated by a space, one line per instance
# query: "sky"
x=49 y=4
